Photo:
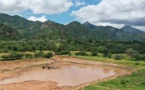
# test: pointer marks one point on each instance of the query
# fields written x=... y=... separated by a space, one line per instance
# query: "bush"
x=12 y=56
x=63 y=52
x=5 y=57
x=38 y=54
x=81 y=53
x=118 y=57
x=41 y=54
x=94 y=54
x=124 y=81
x=48 y=55
x=106 y=53
x=28 y=56
x=109 y=55
x=141 y=57
x=132 y=53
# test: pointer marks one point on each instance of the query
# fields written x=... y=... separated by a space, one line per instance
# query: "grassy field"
x=130 y=63
x=135 y=81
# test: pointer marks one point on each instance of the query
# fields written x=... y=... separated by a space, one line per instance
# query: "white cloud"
x=140 y=27
x=41 y=19
x=79 y=3
x=114 y=12
x=37 y=6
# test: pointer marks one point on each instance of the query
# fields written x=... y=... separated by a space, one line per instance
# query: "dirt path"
x=14 y=68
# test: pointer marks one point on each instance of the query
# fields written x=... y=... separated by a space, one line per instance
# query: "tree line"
x=134 y=48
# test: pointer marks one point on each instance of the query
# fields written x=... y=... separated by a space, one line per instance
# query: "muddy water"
x=68 y=75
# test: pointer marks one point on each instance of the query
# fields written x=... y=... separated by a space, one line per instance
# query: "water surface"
x=68 y=75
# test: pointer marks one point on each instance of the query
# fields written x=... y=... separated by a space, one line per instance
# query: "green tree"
x=132 y=53
x=48 y=55
x=12 y=56
x=118 y=57
x=81 y=53
x=63 y=52
x=15 y=48
x=106 y=53
x=38 y=54
x=94 y=53
x=28 y=55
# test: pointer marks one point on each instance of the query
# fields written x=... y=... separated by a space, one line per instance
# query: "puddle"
x=68 y=75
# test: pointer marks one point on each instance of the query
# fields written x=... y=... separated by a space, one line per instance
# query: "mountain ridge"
x=50 y=30
x=130 y=29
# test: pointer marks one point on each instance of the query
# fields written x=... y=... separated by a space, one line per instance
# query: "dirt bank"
x=14 y=68
x=96 y=63
x=31 y=85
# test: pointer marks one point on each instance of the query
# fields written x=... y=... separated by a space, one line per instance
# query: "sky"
x=117 y=13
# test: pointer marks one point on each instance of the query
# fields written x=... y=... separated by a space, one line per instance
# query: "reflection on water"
x=69 y=75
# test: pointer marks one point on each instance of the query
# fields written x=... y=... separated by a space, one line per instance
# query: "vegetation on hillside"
x=50 y=30
x=8 y=33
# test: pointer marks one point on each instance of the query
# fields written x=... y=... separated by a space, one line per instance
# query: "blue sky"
x=63 y=17
x=117 y=13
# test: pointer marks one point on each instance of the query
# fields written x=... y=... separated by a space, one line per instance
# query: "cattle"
x=50 y=67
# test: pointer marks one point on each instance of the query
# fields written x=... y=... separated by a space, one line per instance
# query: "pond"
x=67 y=75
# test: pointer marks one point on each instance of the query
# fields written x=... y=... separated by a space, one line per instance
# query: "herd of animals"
x=50 y=67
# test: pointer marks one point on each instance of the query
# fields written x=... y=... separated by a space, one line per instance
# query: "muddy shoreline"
x=52 y=85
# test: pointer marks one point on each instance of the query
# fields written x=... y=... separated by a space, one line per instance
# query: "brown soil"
x=10 y=69
x=31 y=85
x=13 y=68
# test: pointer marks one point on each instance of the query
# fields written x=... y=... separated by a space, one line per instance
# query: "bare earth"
x=10 y=69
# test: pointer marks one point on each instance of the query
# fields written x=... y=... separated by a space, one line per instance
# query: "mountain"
x=8 y=33
x=134 y=33
x=89 y=25
x=131 y=30
x=50 y=30
x=14 y=21
x=79 y=32
x=110 y=33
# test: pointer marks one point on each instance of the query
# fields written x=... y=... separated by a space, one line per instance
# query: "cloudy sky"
x=116 y=13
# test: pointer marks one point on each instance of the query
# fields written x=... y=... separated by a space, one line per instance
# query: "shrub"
x=5 y=57
x=109 y=55
x=124 y=81
x=41 y=54
x=38 y=54
x=118 y=57
x=48 y=55
x=106 y=53
x=141 y=57
x=94 y=54
x=63 y=52
x=81 y=53
x=132 y=53
x=12 y=56
x=137 y=63
x=28 y=55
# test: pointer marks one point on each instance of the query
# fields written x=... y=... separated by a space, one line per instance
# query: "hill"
x=131 y=30
x=8 y=33
x=50 y=30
